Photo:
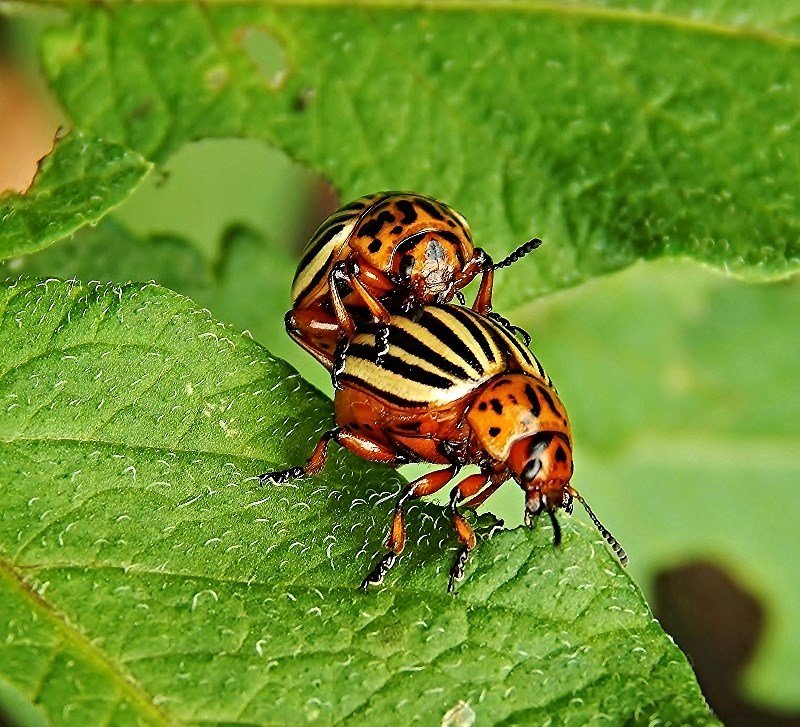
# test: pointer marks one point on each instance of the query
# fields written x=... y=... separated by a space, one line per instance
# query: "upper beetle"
x=384 y=253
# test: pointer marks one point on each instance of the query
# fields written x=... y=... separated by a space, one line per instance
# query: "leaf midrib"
x=590 y=12
x=127 y=685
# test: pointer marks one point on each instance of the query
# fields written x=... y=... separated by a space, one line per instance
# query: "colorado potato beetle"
x=454 y=388
x=381 y=254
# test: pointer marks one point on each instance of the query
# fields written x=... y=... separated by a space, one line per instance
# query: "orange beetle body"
x=453 y=387
x=382 y=254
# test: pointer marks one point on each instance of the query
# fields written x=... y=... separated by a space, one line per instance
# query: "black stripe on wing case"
x=450 y=339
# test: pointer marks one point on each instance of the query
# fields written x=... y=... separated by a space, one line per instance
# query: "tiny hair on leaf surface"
x=614 y=134
x=147 y=577
x=76 y=184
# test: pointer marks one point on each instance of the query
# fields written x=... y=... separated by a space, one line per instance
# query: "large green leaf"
x=76 y=184
x=614 y=133
x=680 y=384
x=247 y=285
x=146 y=578
x=682 y=389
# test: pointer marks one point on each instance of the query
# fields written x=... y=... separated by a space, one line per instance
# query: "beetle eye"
x=531 y=470
x=406 y=265
x=539 y=444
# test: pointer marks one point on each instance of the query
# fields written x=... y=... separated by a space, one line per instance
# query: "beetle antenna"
x=610 y=539
x=519 y=253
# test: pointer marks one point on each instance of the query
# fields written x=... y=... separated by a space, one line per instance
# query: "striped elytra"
x=450 y=386
x=436 y=358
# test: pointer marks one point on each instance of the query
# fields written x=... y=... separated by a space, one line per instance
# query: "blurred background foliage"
x=681 y=381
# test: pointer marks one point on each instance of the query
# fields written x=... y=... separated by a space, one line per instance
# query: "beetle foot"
x=277 y=477
x=381 y=343
x=378 y=573
x=457 y=571
x=520 y=333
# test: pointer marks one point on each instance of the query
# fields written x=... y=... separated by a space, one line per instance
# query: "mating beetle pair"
x=419 y=379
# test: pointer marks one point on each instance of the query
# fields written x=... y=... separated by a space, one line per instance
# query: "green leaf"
x=615 y=134
x=248 y=285
x=16 y=710
x=146 y=577
x=682 y=390
x=76 y=185
x=703 y=369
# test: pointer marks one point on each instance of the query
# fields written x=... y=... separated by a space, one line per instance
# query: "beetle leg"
x=340 y=273
x=516 y=330
x=344 y=272
x=304 y=325
x=339 y=358
x=314 y=465
x=356 y=443
x=466 y=488
x=523 y=334
x=486 y=493
x=453 y=452
x=370 y=450
x=378 y=310
x=483 y=301
x=396 y=541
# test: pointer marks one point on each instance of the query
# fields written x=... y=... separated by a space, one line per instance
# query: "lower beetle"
x=454 y=387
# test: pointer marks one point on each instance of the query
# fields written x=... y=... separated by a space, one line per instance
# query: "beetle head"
x=542 y=464
x=428 y=264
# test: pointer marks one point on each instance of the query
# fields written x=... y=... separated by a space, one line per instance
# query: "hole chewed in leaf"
x=266 y=52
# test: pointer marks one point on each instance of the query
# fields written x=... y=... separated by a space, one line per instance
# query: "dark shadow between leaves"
x=718 y=624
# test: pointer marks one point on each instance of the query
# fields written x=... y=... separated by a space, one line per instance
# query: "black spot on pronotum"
x=561 y=455
x=430 y=208
x=497 y=407
x=533 y=400
x=449 y=236
x=549 y=399
x=494 y=431
x=372 y=227
x=407 y=210
x=375 y=245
